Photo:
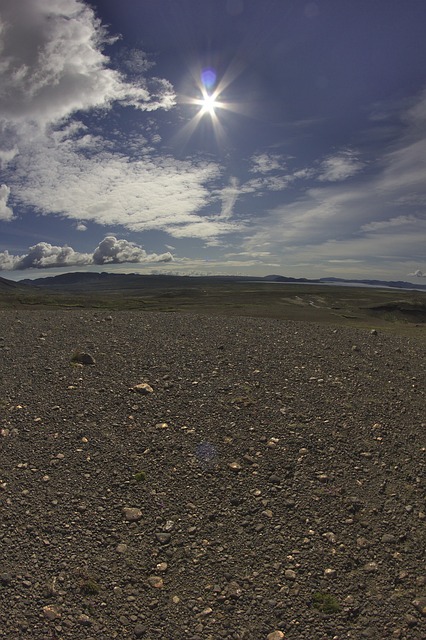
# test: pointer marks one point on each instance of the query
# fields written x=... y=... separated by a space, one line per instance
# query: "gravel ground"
x=269 y=485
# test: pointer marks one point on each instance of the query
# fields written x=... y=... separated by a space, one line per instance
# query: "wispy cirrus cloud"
x=340 y=166
x=381 y=219
x=110 y=251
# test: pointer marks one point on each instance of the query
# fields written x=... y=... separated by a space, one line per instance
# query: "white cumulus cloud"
x=109 y=251
x=6 y=213
x=53 y=64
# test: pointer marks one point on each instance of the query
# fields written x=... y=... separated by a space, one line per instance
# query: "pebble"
x=289 y=574
x=163 y=538
x=143 y=388
x=371 y=567
x=139 y=631
x=83 y=358
x=156 y=582
x=233 y=590
x=132 y=514
x=275 y=635
x=51 y=613
x=84 y=620
x=420 y=604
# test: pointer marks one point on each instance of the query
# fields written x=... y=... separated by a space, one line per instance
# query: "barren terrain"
x=267 y=483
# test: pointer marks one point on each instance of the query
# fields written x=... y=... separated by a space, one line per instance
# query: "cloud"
x=229 y=196
x=110 y=251
x=381 y=222
x=339 y=167
x=399 y=221
x=113 y=251
x=58 y=176
x=80 y=227
x=6 y=213
x=53 y=64
x=266 y=162
x=418 y=274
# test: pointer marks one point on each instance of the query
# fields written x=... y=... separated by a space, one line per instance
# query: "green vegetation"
x=140 y=476
x=325 y=602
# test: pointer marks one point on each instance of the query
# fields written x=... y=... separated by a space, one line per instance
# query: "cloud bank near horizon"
x=110 y=251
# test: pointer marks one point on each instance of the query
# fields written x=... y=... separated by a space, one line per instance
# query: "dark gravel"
x=279 y=473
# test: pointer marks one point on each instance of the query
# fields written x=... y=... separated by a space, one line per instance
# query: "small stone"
x=156 y=582
x=420 y=604
x=330 y=536
x=51 y=613
x=371 y=567
x=373 y=332
x=289 y=574
x=84 y=620
x=139 y=631
x=162 y=566
x=131 y=514
x=206 y=612
x=235 y=466
x=362 y=543
x=388 y=538
x=121 y=548
x=411 y=620
x=143 y=388
x=330 y=573
x=163 y=538
x=83 y=358
x=233 y=590
x=275 y=635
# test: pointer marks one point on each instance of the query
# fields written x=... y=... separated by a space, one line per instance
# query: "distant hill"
x=82 y=280
x=7 y=285
x=398 y=284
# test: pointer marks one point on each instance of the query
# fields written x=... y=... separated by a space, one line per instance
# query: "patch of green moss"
x=325 y=602
x=140 y=476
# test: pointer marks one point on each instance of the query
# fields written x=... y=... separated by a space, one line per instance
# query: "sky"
x=195 y=137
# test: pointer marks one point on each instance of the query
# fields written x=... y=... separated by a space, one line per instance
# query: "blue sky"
x=213 y=137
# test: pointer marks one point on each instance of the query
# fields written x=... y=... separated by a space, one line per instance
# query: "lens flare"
x=208 y=78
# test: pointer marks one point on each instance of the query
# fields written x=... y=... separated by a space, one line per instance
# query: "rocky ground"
x=264 y=482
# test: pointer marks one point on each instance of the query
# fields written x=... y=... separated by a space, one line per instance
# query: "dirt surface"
x=265 y=482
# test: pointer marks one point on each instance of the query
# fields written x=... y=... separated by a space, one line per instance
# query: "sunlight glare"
x=208 y=103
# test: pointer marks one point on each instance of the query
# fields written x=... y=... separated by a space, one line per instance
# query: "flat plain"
x=266 y=478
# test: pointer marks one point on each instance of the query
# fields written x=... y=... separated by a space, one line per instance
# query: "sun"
x=208 y=103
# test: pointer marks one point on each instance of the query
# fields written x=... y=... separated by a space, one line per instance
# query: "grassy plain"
x=399 y=311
